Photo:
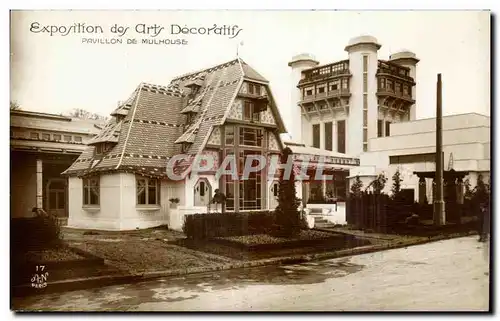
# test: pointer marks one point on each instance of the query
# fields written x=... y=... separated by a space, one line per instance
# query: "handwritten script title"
x=151 y=30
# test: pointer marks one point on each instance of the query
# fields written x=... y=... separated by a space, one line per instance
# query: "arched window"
x=202 y=192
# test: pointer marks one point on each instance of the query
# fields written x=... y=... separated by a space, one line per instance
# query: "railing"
x=392 y=69
x=331 y=70
x=329 y=94
x=406 y=96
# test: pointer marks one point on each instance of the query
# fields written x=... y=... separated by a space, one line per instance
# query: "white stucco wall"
x=466 y=137
x=105 y=216
x=292 y=114
x=118 y=209
x=354 y=139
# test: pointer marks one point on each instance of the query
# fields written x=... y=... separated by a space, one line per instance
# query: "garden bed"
x=266 y=242
x=263 y=246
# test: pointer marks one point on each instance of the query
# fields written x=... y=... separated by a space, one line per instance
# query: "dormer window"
x=189 y=119
x=185 y=147
x=101 y=148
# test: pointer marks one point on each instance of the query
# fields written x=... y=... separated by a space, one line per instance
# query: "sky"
x=56 y=73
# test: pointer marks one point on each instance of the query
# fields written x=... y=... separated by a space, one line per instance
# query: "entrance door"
x=273 y=195
x=56 y=197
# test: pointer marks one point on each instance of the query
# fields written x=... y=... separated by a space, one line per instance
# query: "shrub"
x=287 y=214
x=209 y=225
x=356 y=187
x=40 y=232
x=396 y=184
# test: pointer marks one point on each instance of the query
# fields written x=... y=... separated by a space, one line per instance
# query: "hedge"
x=209 y=225
x=34 y=233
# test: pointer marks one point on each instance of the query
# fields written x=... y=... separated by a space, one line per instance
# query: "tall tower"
x=363 y=104
x=408 y=59
x=293 y=112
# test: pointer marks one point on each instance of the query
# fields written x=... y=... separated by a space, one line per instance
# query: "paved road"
x=445 y=275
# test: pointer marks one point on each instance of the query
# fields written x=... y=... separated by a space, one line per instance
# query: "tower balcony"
x=390 y=103
x=332 y=102
x=330 y=95
x=325 y=72
x=386 y=92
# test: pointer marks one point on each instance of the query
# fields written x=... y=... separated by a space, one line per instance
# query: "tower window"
x=341 y=136
x=328 y=135
x=316 y=135
x=345 y=83
x=390 y=85
x=387 y=128
x=380 y=128
x=382 y=83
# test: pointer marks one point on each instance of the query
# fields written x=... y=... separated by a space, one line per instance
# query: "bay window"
x=245 y=192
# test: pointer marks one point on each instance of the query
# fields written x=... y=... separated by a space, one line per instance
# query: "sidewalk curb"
x=92 y=282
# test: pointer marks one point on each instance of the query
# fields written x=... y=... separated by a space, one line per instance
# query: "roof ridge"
x=201 y=70
x=131 y=123
x=207 y=137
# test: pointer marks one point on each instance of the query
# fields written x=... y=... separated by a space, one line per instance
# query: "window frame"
x=329 y=136
x=156 y=184
x=380 y=128
x=258 y=131
x=88 y=184
x=316 y=133
x=250 y=107
x=341 y=136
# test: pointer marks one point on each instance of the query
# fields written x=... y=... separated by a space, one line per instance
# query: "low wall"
x=177 y=215
x=331 y=212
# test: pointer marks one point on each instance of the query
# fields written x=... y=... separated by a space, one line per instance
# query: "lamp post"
x=439 y=213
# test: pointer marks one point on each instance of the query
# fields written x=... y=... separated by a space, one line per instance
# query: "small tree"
x=356 y=187
x=378 y=184
x=396 y=184
x=468 y=189
x=287 y=214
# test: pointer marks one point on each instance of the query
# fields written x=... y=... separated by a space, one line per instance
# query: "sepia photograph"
x=250 y=160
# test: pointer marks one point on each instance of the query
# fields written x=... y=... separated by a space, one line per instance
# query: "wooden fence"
x=380 y=213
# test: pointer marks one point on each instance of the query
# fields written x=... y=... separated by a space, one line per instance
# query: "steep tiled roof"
x=151 y=128
x=251 y=73
x=109 y=133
